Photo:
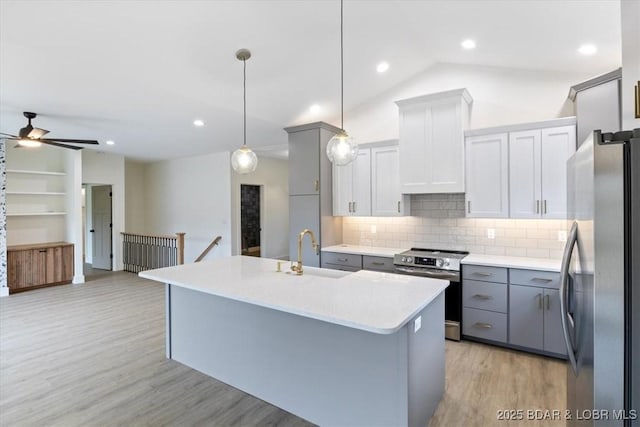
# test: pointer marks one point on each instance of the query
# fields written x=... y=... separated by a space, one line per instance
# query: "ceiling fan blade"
x=37 y=133
x=72 y=141
x=72 y=147
x=8 y=134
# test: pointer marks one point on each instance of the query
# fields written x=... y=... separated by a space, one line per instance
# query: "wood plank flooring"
x=93 y=355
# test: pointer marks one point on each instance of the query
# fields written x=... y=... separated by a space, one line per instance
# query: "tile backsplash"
x=438 y=222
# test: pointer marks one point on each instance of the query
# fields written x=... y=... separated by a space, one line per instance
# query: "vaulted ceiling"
x=139 y=72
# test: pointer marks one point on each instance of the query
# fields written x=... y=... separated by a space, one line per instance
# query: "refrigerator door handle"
x=564 y=288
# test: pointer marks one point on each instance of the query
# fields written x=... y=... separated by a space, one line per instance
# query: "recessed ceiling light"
x=109 y=142
x=382 y=67
x=198 y=123
x=468 y=44
x=588 y=49
x=314 y=109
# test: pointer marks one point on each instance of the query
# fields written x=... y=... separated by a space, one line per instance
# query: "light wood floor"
x=93 y=355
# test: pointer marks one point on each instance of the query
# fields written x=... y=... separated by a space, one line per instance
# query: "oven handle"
x=436 y=274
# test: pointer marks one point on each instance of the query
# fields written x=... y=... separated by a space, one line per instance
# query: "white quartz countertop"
x=364 y=250
x=371 y=301
x=513 y=262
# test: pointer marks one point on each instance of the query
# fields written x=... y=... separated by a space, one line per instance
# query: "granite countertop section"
x=541 y=264
x=371 y=301
x=364 y=250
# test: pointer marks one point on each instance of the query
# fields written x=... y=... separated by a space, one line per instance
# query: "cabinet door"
x=486 y=175
x=304 y=162
x=553 y=337
x=54 y=265
x=362 y=184
x=19 y=269
x=38 y=267
x=342 y=189
x=304 y=212
x=524 y=174
x=386 y=196
x=526 y=316
x=67 y=263
x=558 y=144
x=413 y=123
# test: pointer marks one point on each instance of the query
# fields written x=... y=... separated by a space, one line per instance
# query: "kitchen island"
x=333 y=347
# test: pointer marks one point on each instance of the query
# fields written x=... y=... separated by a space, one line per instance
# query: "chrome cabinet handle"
x=483 y=325
x=377 y=263
x=482 y=274
x=541 y=279
x=343 y=259
x=468 y=206
x=483 y=297
x=539 y=298
x=547 y=301
x=355 y=209
x=398 y=206
x=350 y=208
x=537 y=206
x=317 y=185
x=544 y=204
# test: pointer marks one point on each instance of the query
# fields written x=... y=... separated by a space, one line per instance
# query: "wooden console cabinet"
x=39 y=265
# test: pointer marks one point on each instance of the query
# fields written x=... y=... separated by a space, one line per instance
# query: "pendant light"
x=244 y=160
x=342 y=149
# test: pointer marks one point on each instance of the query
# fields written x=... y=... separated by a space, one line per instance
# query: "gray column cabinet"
x=310 y=198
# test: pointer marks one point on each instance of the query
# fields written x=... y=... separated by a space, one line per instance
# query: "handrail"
x=204 y=253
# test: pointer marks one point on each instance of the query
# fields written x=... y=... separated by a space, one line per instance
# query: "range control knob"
x=404 y=259
x=439 y=262
x=409 y=260
x=446 y=263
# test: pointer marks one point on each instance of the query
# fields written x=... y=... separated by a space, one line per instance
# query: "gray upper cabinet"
x=304 y=163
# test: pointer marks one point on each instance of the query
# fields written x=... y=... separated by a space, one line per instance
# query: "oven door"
x=452 y=296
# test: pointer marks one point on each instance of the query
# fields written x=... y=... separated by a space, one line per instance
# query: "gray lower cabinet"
x=534 y=315
x=354 y=262
x=484 y=302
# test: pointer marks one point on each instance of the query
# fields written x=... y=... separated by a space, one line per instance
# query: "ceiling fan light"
x=29 y=143
x=342 y=149
x=244 y=160
x=37 y=133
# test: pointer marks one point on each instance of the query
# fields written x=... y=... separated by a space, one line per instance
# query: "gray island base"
x=315 y=358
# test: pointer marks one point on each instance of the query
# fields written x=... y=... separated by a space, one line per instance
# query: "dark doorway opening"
x=250 y=219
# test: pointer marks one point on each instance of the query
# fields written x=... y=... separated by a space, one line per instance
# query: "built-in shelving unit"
x=36 y=172
x=36 y=214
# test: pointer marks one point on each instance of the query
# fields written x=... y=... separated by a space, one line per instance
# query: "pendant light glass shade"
x=342 y=149
x=244 y=160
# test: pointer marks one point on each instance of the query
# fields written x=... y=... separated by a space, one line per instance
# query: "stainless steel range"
x=437 y=264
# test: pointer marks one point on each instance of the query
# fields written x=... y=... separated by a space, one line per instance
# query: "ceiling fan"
x=30 y=136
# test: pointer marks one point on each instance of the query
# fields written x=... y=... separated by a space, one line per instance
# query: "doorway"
x=98 y=229
x=250 y=221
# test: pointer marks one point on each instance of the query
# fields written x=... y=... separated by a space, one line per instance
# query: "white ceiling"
x=139 y=72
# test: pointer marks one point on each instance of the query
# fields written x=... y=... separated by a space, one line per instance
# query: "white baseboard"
x=79 y=278
x=4 y=291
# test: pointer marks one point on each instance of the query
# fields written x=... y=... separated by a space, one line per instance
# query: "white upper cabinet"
x=352 y=186
x=538 y=171
x=386 y=195
x=487 y=166
x=519 y=171
x=432 y=142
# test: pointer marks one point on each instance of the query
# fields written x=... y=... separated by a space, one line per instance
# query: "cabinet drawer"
x=485 y=295
x=350 y=260
x=340 y=267
x=541 y=279
x=484 y=324
x=377 y=263
x=484 y=274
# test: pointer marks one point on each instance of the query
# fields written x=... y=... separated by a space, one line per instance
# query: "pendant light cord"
x=341 y=69
x=244 y=100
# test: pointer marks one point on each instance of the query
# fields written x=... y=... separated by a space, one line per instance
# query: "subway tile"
x=485 y=222
x=448 y=222
x=466 y=239
x=555 y=254
x=526 y=243
x=505 y=223
x=516 y=251
x=475 y=249
x=496 y=250
x=526 y=223
x=538 y=253
x=515 y=232
x=537 y=233
x=466 y=222
x=550 y=244
x=504 y=241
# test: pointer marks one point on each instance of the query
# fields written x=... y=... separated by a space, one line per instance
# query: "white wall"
x=4 y=290
x=134 y=196
x=108 y=169
x=191 y=195
x=273 y=176
x=630 y=61
x=500 y=96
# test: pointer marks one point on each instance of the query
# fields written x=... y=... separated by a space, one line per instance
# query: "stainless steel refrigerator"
x=600 y=286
